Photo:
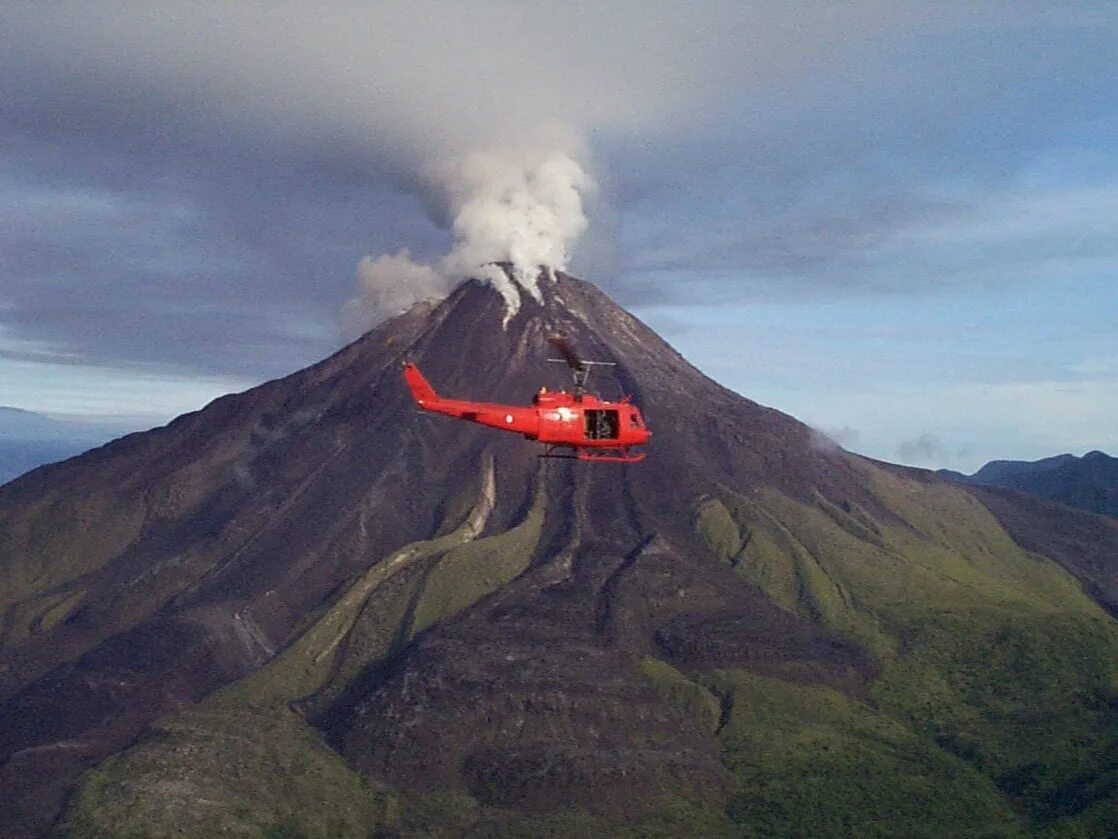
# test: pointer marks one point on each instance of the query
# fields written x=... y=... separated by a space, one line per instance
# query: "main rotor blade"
x=569 y=355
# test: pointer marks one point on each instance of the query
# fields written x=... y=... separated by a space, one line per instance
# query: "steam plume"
x=521 y=207
x=389 y=285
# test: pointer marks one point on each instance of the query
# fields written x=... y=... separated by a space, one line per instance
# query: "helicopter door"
x=601 y=424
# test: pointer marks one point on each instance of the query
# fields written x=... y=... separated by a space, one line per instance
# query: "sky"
x=896 y=221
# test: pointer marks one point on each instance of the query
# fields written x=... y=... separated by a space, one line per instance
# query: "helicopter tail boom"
x=420 y=388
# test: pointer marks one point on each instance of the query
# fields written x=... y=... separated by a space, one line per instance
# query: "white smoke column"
x=525 y=209
x=389 y=285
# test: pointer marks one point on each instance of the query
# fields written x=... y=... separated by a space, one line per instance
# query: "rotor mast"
x=580 y=369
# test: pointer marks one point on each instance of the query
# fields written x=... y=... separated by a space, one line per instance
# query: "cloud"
x=974 y=422
x=927 y=448
x=131 y=398
x=837 y=438
x=194 y=184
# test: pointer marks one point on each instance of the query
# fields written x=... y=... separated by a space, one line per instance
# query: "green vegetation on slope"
x=993 y=714
x=37 y=614
x=1027 y=700
x=718 y=528
x=226 y=772
x=474 y=569
x=988 y=653
x=810 y=761
x=243 y=762
x=51 y=545
x=689 y=696
x=456 y=814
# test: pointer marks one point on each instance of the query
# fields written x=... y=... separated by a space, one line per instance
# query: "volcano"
x=309 y=609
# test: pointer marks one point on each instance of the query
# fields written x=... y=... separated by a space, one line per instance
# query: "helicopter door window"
x=601 y=424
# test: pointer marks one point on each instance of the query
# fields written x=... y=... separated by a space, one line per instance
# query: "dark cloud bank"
x=192 y=186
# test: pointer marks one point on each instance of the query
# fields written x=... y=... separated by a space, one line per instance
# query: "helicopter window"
x=601 y=424
x=635 y=420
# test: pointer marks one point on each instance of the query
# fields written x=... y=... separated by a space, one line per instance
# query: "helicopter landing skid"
x=622 y=456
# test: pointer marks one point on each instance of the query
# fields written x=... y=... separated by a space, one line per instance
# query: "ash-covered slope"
x=141 y=576
x=457 y=618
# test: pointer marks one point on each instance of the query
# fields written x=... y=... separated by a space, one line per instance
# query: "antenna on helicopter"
x=580 y=369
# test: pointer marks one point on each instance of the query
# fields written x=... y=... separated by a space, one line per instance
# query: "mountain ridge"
x=1087 y=483
x=458 y=633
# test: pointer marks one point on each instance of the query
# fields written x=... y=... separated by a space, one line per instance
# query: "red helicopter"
x=596 y=430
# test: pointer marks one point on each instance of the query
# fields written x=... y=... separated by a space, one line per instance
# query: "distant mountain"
x=1087 y=483
x=309 y=610
x=29 y=440
x=20 y=456
x=16 y=422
